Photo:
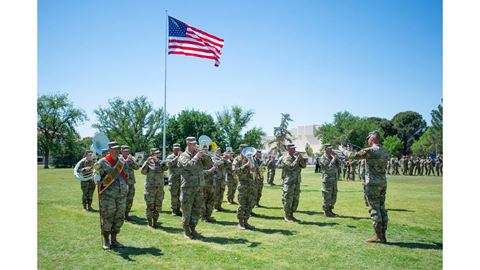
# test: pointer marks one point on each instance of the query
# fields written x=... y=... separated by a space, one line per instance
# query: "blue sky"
x=307 y=58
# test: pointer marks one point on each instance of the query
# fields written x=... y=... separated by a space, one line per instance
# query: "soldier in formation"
x=292 y=164
x=130 y=167
x=153 y=169
x=329 y=163
x=271 y=166
x=174 y=179
x=85 y=169
x=231 y=179
x=243 y=169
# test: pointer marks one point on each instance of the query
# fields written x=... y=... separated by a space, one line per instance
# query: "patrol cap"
x=154 y=150
x=290 y=146
x=125 y=147
x=176 y=145
x=191 y=140
x=88 y=152
x=113 y=145
x=371 y=133
x=327 y=145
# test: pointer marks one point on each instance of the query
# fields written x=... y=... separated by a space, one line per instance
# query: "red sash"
x=117 y=166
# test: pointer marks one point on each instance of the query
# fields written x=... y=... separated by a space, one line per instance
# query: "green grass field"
x=69 y=238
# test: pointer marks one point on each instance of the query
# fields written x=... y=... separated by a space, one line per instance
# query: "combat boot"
x=253 y=214
x=187 y=232
x=85 y=207
x=241 y=224
x=288 y=217
x=115 y=243
x=210 y=219
x=377 y=238
x=248 y=226
x=150 y=222
x=106 y=240
x=295 y=219
x=155 y=223
x=194 y=232
x=331 y=212
x=328 y=213
x=90 y=206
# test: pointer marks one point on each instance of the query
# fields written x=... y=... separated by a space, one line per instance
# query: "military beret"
x=125 y=147
x=176 y=145
x=113 y=145
x=290 y=145
x=371 y=133
x=191 y=140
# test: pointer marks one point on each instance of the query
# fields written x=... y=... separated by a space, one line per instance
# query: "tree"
x=253 y=137
x=231 y=123
x=347 y=128
x=392 y=144
x=437 y=128
x=56 y=121
x=132 y=122
x=191 y=123
x=67 y=154
x=425 y=144
x=384 y=124
x=410 y=126
x=282 y=135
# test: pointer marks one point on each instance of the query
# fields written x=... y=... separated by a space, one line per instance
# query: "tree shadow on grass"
x=227 y=241
x=416 y=245
x=126 y=252
x=400 y=210
x=319 y=224
x=137 y=220
x=272 y=231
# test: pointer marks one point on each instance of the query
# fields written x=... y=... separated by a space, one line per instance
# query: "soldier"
x=174 y=179
x=428 y=166
x=191 y=193
x=292 y=164
x=258 y=177
x=232 y=180
x=84 y=168
x=330 y=164
x=208 y=184
x=246 y=189
x=317 y=165
x=112 y=192
x=130 y=165
x=376 y=158
x=389 y=166
x=220 y=182
x=395 y=166
x=410 y=166
x=271 y=166
x=153 y=168
x=351 y=165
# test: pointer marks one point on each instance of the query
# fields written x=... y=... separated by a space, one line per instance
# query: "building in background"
x=302 y=135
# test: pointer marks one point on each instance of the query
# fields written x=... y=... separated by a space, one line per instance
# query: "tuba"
x=206 y=142
x=249 y=152
x=100 y=141
x=80 y=177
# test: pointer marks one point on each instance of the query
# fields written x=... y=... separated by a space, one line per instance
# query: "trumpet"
x=249 y=152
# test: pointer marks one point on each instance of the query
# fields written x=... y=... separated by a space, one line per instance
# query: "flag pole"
x=165 y=92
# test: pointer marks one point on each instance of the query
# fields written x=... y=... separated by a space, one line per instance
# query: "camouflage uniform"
x=291 y=169
x=191 y=193
x=362 y=178
x=232 y=182
x=208 y=189
x=174 y=182
x=271 y=166
x=130 y=166
x=439 y=165
x=410 y=166
x=329 y=182
x=219 y=182
x=88 y=187
x=154 y=192
x=112 y=201
x=246 y=191
x=376 y=158
x=258 y=176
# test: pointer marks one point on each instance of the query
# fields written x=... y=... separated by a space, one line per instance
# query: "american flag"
x=188 y=40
